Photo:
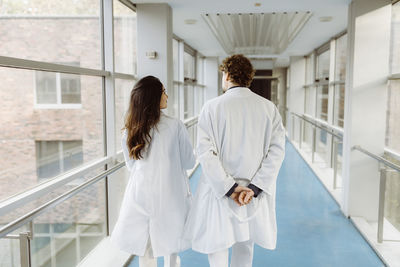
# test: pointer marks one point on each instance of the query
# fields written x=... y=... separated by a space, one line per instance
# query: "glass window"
x=341 y=56
x=46 y=87
x=393 y=116
x=199 y=98
x=322 y=102
x=309 y=69
x=309 y=101
x=57 y=88
x=55 y=157
x=323 y=66
x=70 y=88
x=200 y=70
x=173 y=100
x=188 y=102
x=395 y=53
x=175 y=46
x=338 y=113
x=23 y=124
x=123 y=90
x=124 y=38
x=51 y=30
x=189 y=66
x=274 y=92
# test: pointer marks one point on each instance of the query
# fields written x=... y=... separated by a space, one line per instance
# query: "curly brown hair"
x=239 y=69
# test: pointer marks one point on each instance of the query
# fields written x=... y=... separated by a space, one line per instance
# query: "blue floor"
x=311 y=229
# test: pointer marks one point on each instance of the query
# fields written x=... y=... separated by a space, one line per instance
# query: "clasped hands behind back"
x=242 y=195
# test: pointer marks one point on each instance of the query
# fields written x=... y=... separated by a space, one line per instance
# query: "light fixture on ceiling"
x=256 y=33
x=257 y=4
x=190 y=21
x=325 y=19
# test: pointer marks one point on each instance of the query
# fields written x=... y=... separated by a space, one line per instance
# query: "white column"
x=211 y=79
x=154 y=31
x=331 y=100
x=109 y=102
x=365 y=106
x=296 y=93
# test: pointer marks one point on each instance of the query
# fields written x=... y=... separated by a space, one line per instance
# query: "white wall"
x=154 y=31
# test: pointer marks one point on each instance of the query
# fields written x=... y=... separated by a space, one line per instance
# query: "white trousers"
x=149 y=261
x=242 y=256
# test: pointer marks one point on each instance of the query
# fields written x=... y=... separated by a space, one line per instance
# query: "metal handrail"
x=335 y=141
x=191 y=121
x=378 y=158
x=41 y=189
x=26 y=237
x=12 y=226
x=382 y=186
x=328 y=129
x=31 y=194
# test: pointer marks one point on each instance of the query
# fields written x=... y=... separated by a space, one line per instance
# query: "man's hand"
x=238 y=191
x=245 y=197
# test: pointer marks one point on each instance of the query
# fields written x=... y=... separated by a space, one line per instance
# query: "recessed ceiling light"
x=190 y=21
x=257 y=4
x=325 y=19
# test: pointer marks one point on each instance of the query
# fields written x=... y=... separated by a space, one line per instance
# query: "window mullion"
x=60 y=155
x=58 y=88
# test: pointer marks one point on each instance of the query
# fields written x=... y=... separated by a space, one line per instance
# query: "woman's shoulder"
x=170 y=120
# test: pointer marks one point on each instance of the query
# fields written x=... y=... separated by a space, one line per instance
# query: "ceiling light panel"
x=256 y=33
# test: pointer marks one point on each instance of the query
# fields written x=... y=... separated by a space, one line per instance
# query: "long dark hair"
x=143 y=114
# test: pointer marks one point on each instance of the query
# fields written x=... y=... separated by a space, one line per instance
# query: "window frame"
x=59 y=104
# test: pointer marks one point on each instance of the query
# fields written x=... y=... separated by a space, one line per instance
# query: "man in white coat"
x=241 y=146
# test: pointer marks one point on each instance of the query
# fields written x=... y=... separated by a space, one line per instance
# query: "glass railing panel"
x=392 y=196
x=393 y=116
x=307 y=135
x=64 y=235
x=321 y=146
x=9 y=252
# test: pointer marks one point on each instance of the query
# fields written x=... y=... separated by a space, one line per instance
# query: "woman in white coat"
x=157 y=199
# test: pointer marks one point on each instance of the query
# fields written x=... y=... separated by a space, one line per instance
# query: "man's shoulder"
x=212 y=103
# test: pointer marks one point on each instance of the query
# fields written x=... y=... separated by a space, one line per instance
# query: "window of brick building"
x=55 y=157
x=58 y=89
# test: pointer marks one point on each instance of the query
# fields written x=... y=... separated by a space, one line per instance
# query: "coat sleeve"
x=185 y=148
x=265 y=177
x=129 y=162
x=207 y=154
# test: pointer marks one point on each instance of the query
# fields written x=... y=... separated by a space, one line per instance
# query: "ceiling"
x=314 y=33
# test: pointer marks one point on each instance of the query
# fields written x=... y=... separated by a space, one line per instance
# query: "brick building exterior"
x=70 y=134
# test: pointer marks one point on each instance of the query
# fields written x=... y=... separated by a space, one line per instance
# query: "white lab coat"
x=240 y=138
x=157 y=198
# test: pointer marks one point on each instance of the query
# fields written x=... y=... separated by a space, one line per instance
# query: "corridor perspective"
x=311 y=228
x=329 y=70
